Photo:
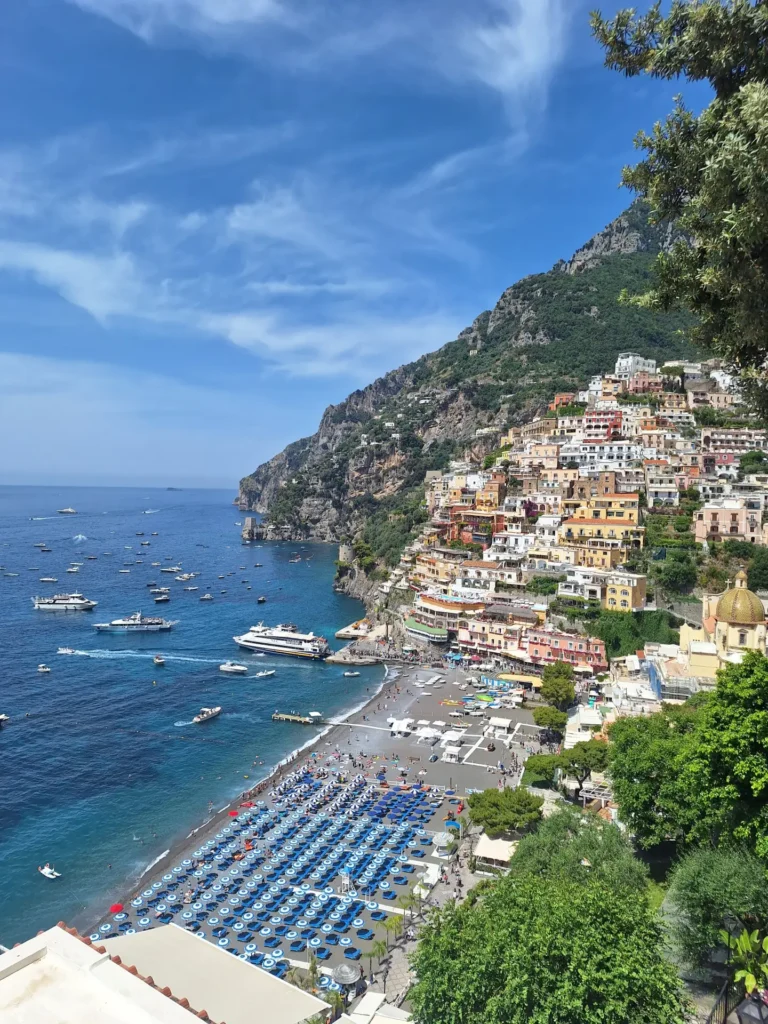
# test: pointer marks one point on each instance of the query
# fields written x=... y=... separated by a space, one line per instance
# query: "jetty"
x=314 y=718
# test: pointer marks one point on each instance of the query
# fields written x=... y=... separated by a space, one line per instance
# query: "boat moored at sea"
x=43 y=668
x=351 y=675
x=284 y=639
x=159 y=659
x=206 y=714
x=136 y=623
x=4 y=719
x=64 y=603
x=67 y=511
x=206 y=597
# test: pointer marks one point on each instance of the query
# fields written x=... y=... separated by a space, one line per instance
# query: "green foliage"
x=550 y=718
x=757 y=574
x=557 y=686
x=706 y=171
x=579 y=847
x=749 y=952
x=537 y=950
x=284 y=510
x=543 y=585
x=503 y=811
x=675 y=574
x=753 y=462
x=626 y=632
x=710 y=889
x=540 y=770
x=584 y=758
x=393 y=525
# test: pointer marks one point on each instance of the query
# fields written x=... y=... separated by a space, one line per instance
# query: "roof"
x=58 y=976
x=494 y=849
x=228 y=988
x=739 y=606
x=500 y=723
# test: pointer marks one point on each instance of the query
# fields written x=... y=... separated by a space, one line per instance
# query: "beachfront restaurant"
x=493 y=853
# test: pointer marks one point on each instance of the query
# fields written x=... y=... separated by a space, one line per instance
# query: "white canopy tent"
x=497 y=852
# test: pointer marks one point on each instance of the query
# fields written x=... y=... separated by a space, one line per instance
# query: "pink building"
x=548 y=645
x=728 y=519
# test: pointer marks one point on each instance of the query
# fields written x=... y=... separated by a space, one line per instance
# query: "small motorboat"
x=152 y=583
x=233 y=668
x=161 y=598
x=261 y=600
x=73 y=568
x=159 y=659
x=351 y=675
x=3 y=720
x=66 y=511
x=190 y=589
x=206 y=597
x=258 y=565
x=49 y=871
x=66 y=650
x=43 y=668
x=264 y=673
x=48 y=579
x=206 y=714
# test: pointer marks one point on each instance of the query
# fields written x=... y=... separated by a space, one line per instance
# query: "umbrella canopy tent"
x=116 y=908
x=441 y=839
x=425 y=733
x=345 y=974
x=439 y=723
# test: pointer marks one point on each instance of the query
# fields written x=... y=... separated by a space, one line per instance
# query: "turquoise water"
x=102 y=770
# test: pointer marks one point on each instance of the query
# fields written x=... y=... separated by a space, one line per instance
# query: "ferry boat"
x=64 y=603
x=233 y=668
x=206 y=714
x=284 y=639
x=136 y=623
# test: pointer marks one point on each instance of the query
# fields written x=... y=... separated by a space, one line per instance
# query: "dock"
x=280 y=716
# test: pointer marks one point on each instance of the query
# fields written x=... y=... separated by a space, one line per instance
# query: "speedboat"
x=162 y=598
x=43 y=668
x=233 y=668
x=159 y=659
x=206 y=714
x=3 y=720
x=73 y=568
x=49 y=872
x=351 y=675
x=66 y=650
x=261 y=600
x=266 y=672
x=66 y=511
x=48 y=579
x=206 y=597
x=40 y=544
x=191 y=588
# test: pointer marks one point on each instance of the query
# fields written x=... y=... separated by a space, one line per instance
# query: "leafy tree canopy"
x=503 y=811
x=537 y=950
x=706 y=172
x=550 y=718
x=557 y=686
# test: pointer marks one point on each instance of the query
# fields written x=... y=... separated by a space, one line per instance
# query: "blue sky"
x=218 y=216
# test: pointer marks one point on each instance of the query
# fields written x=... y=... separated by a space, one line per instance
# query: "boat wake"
x=79 y=537
x=150 y=511
x=40 y=519
x=106 y=655
x=180 y=725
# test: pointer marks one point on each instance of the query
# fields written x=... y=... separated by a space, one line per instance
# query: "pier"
x=314 y=719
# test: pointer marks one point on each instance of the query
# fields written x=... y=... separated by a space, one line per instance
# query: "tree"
x=677 y=574
x=557 y=686
x=753 y=462
x=707 y=172
x=583 y=759
x=536 y=950
x=550 y=718
x=578 y=846
x=503 y=811
x=758 y=569
x=540 y=769
x=711 y=889
x=645 y=757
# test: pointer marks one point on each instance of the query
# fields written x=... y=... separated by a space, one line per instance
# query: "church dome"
x=739 y=606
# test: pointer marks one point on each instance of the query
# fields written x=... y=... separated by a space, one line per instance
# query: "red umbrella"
x=233 y=814
x=247 y=803
x=116 y=908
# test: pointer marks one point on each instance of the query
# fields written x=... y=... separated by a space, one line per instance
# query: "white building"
x=608 y=455
x=630 y=363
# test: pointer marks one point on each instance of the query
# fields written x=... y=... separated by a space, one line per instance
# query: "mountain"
x=363 y=471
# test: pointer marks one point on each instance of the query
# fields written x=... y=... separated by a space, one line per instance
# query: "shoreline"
x=84 y=922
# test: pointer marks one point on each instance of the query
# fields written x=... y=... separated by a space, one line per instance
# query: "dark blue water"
x=101 y=770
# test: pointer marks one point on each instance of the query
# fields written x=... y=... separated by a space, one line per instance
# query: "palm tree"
x=393 y=925
x=463 y=823
x=336 y=1002
x=407 y=901
x=313 y=973
x=379 y=949
x=370 y=954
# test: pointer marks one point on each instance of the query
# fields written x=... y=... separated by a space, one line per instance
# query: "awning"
x=499 y=850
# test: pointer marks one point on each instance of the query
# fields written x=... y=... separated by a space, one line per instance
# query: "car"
x=456 y=714
x=476 y=714
x=432 y=758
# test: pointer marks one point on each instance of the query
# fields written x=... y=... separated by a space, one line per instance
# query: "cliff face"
x=547 y=332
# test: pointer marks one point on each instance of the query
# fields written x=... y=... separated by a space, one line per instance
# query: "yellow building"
x=625 y=592
x=582 y=528
x=733 y=622
x=598 y=555
x=624 y=507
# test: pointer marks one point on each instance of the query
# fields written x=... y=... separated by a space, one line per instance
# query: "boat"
x=159 y=659
x=296 y=559
x=48 y=579
x=190 y=589
x=145 y=543
x=351 y=675
x=49 y=872
x=140 y=533
x=47 y=550
x=206 y=714
x=64 y=603
x=125 y=571
x=284 y=639
x=171 y=568
x=43 y=668
x=154 y=533
x=233 y=668
x=136 y=623
x=162 y=598
x=222 y=576
x=40 y=544
x=261 y=600
x=265 y=673
x=152 y=583
x=73 y=568
x=66 y=650
x=66 y=511
x=3 y=720
x=258 y=565
x=206 y=597
x=91 y=558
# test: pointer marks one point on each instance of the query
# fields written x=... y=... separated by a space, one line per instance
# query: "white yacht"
x=64 y=603
x=136 y=623
x=43 y=668
x=171 y=568
x=233 y=668
x=284 y=639
x=265 y=673
x=66 y=650
x=48 y=579
x=206 y=597
x=67 y=511
x=4 y=719
x=206 y=714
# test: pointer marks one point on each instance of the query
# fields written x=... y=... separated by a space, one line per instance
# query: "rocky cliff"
x=362 y=469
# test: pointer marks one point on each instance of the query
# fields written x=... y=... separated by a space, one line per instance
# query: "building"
x=560 y=399
x=617 y=591
x=546 y=645
x=164 y=975
x=644 y=383
x=732 y=622
x=724 y=439
x=630 y=363
x=728 y=519
x=436 y=617
x=602 y=424
x=606 y=455
x=660 y=485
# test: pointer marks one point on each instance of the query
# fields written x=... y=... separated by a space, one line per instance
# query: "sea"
x=101 y=767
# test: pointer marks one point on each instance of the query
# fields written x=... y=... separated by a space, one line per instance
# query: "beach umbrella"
x=116 y=908
x=345 y=974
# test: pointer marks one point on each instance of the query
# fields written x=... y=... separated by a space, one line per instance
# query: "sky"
x=219 y=216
